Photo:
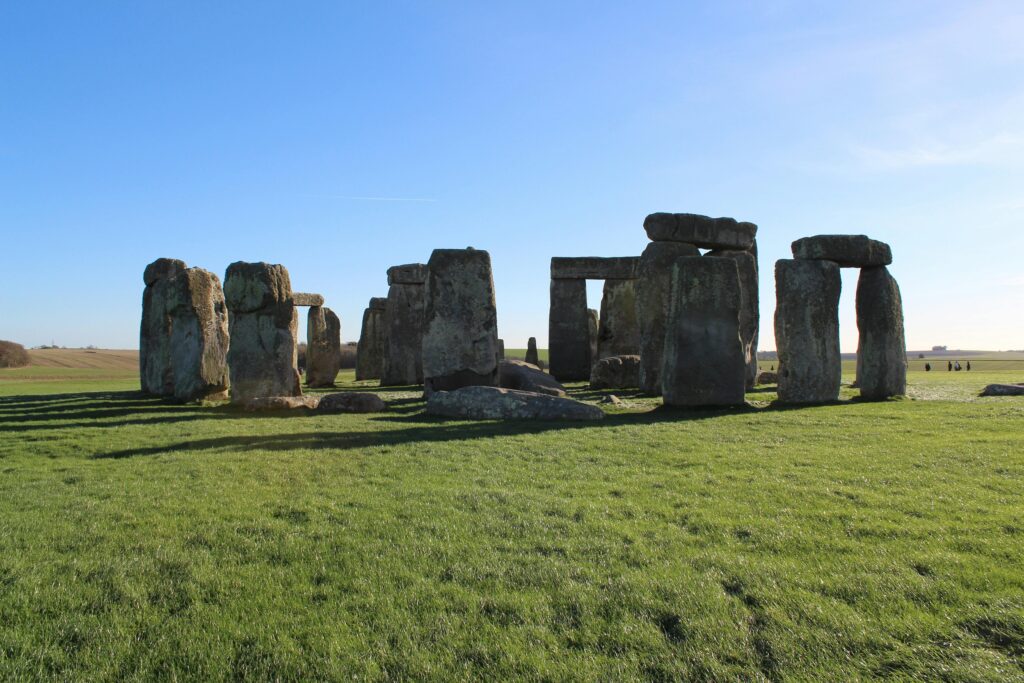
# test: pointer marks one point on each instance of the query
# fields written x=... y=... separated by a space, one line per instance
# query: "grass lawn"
x=141 y=539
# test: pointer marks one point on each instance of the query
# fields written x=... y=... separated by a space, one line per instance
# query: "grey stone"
x=323 y=347
x=351 y=402
x=495 y=403
x=263 y=325
x=372 y=341
x=767 y=377
x=750 y=315
x=155 y=331
x=501 y=350
x=569 y=354
x=618 y=332
x=702 y=231
x=259 y=403
x=403 y=357
x=307 y=299
x=408 y=274
x=593 y=329
x=517 y=374
x=531 y=352
x=1003 y=390
x=849 y=251
x=807 y=330
x=653 y=290
x=594 y=268
x=460 y=339
x=704 y=363
x=882 y=352
x=379 y=303
x=616 y=372
x=199 y=336
x=162 y=269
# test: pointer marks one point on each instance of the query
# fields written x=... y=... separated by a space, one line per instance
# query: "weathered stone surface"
x=351 y=402
x=307 y=299
x=849 y=251
x=882 y=351
x=199 y=335
x=531 y=352
x=612 y=399
x=702 y=231
x=653 y=289
x=403 y=358
x=407 y=274
x=618 y=330
x=1003 y=390
x=155 y=331
x=323 y=347
x=372 y=341
x=767 y=377
x=616 y=372
x=501 y=350
x=750 y=315
x=495 y=403
x=517 y=374
x=569 y=353
x=807 y=330
x=162 y=269
x=280 y=403
x=704 y=363
x=594 y=268
x=593 y=329
x=460 y=339
x=263 y=326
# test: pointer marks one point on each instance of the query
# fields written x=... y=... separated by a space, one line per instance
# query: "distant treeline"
x=12 y=355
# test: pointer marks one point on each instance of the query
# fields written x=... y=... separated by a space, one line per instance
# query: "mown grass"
x=145 y=540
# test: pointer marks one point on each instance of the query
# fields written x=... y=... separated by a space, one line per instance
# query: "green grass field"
x=146 y=540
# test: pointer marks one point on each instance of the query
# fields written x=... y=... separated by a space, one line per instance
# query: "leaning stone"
x=616 y=372
x=495 y=403
x=882 y=352
x=652 y=296
x=372 y=341
x=460 y=338
x=1003 y=390
x=408 y=274
x=849 y=251
x=281 y=403
x=618 y=332
x=807 y=330
x=323 y=347
x=403 y=336
x=750 y=315
x=306 y=299
x=531 y=352
x=199 y=336
x=517 y=374
x=569 y=354
x=702 y=231
x=704 y=363
x=351 y=402
x=155 y=373
x=594 y=268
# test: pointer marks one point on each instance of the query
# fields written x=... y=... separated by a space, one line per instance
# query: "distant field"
x=97 y=359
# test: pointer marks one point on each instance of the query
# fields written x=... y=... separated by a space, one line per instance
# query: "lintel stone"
x=594 y=268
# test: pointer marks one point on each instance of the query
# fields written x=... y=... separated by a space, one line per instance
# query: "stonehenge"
x=618 y=332
x=323 y=346
x=531 y=352
x=372 y=341
x=403 y=322
x=882 y=351
x=616 y=372
x=750 y=315
x=155 y=334
x=700 y=231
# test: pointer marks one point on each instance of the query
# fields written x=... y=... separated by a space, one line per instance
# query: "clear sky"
x=341 y=138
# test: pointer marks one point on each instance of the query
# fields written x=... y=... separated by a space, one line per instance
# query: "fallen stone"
x=616 y=372
x=351 y=402
x=520 y=375
x=702 y=231
x=495 y=403
x=408 y=274
x=569 y=353
x=807 y=330
x=323 y=347
x=531 y=352
x=766 y=377
x=594 y=268
x=882 y=351
x=1003 y=390
x=199 y=339
x=618 y=330
x=306 y=299
x=849 y=251
x=372 y=341
x=281 y=403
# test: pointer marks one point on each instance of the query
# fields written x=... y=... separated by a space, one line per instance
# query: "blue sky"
x=342 y=138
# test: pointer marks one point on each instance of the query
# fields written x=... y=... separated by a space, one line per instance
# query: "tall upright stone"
x=460 y=338
x=501 y=350
x=569 y=354
x=323 y=347
x=882 y=352
x=372 y=341
x=531 y=352
x=263 y=326
x=199 y=336
x=704 y=363
x=593 y=329
x=653 y=289
x=807 y=330
x=618 y=332
x=746 y=262
x=155 y=331
x=403 y=358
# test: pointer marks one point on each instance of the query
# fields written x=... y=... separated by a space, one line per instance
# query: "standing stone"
x=750 y=316
x=460 y=338
x=501 y=350
x=155 y=332
x=569 y=353
x=807 y=330
x=372 y=341
x=619 y=332
x=704 y=362
x=531 y=352
x=263 y=324
x=403 y=359
x=593 y=329
x=882 y=353
x=653 y=289
x=323 y=347
x=199 y=336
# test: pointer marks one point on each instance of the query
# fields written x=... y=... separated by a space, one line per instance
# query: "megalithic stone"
x=653 y=289
x=501 y=350
x=372 y=341
x=882 y=353
x=746 y=262
x=618 y=332
x=460 y=337
x=704 y=362
x=531 y=352
x=593 y=329
x=263 y=326
x=569 y=331
x=323 y=347
x=199 y=335
x=403 y=358
x=807 y=330
x=155 y=373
